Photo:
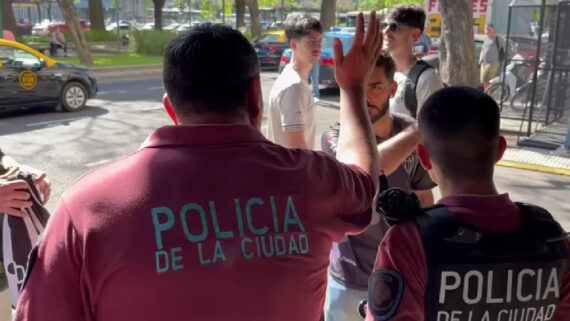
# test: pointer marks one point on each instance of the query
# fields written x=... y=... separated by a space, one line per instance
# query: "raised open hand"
x=354 y=69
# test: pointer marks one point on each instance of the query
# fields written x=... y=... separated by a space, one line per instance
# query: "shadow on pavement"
x=330 y=98
x=38 y=118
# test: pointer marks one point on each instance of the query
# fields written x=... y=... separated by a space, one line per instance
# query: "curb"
x=105 y=70
x=535 y=168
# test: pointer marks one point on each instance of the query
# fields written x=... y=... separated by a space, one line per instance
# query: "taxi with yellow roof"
x=29 y=79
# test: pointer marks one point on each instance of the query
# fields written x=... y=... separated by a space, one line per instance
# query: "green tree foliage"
x=229 y=7
x=369 y=5
x=208 y=9
x=277 y=4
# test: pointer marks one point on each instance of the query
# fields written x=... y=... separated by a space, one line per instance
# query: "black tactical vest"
x=475 y=275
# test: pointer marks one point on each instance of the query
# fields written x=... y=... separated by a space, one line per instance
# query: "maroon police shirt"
x=203 y=223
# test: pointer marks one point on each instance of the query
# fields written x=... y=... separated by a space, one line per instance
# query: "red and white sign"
x=433 y=11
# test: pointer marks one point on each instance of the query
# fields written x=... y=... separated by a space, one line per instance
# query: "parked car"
x=148 y=26
x=270 y=48
x=171 y=27
x=188 y=26
x=29 y=79
x=46 y=27
x=326 y=63
x=123 y=26
x=25 y=29
x=85 y=25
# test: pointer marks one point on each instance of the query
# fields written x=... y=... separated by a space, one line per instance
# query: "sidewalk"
x=529 y=158
x=536 y=159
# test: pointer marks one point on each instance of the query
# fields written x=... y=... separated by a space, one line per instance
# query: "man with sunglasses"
x=416 y=79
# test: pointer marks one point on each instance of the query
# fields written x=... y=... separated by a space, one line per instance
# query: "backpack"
x=410 y=98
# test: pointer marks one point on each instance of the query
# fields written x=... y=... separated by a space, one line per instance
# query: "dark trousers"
x=54 y=46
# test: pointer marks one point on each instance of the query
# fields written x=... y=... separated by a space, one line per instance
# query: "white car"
x=148 y=26
x=171 y=27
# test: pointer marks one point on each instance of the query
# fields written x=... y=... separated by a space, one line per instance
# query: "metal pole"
x=1 y=23
x=224 y=12
x=537 y=62
x=282 y=10
x=550 y=84
x=119 y=40
x=507 y=53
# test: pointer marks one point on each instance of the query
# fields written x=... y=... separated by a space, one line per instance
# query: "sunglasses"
x=392 y=26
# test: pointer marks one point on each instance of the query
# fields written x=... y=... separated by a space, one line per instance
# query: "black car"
x=29 y=79
x=270 y=48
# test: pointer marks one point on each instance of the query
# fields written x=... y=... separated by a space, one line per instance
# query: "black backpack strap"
x=410 y=98
x=435 y=221
x=541 y=223
x=500 y=49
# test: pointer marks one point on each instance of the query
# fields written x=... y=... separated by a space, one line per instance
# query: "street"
x=126 y=111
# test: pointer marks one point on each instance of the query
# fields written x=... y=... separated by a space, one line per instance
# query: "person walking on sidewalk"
x=209 y=220
x=291 y=116
x=492 y=55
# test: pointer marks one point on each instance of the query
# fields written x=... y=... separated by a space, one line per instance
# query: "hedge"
x=152 y=43
x=90 y=36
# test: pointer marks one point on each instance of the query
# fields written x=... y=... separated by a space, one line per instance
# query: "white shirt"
x=291 y=108
x=428 y=83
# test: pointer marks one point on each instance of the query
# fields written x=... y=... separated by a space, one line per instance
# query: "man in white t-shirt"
x=416 y=79
x=291 y=114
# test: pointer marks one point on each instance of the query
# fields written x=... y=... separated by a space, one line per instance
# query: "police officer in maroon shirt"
x=476 y=255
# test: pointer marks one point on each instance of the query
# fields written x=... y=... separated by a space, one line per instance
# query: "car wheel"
x=74 y=96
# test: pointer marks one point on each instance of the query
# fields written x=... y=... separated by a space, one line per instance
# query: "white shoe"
x=561 y=151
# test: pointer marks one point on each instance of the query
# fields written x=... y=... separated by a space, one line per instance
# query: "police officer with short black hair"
x=476 y=256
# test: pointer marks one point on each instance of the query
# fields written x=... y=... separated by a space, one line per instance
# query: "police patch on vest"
x=497 y=292
x=385 y=291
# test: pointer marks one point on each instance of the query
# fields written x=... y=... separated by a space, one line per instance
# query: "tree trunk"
x=39 y=11
x=328 y=18
x=8 y=18
x=457 y=50
x=49 y=10
x=255 y=21
x=71 y=20
x=158 y=4
x=96 y=15
x=240 y=12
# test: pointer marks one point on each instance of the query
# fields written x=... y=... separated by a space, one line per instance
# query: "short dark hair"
x=460 y=128
x=301 y=25
x=385 y=61
x=409 y=15
x=201 y=74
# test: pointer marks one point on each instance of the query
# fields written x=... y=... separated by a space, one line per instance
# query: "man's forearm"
x=394 y=151
x=426 y=197
x=356 y=143
x=297 y=140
